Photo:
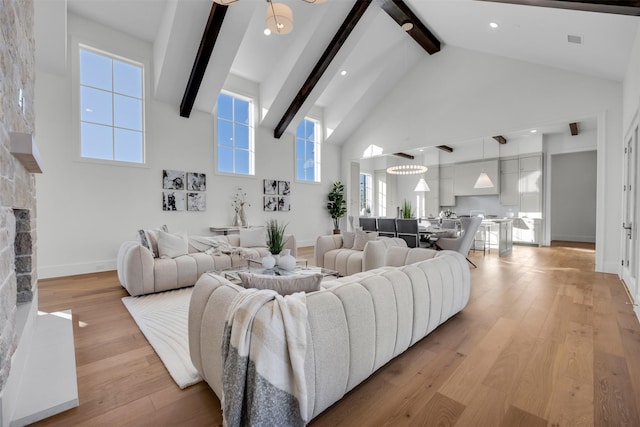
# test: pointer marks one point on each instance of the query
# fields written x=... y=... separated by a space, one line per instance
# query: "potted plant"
x=406 y=210
x=336 y=205
x=275 y=236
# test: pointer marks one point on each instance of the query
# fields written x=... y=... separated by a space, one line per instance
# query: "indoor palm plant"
x=336 y=205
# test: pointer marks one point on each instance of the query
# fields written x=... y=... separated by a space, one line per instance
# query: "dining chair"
x=368 y=224
x=387 y=227
x=407 y=229
x=462 y=243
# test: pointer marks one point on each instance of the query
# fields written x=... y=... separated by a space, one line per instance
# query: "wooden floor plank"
x=479 y=367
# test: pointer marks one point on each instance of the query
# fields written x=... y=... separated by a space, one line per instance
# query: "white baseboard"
x=49 y=271
x=574 y=238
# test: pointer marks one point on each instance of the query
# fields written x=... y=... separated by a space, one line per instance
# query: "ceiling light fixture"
x=406 y=169
x=422 y=186
x=533 y=130
x=279 y=18
x=343 y=72
x=407 y=25
x=493 y=24
x=483 y=180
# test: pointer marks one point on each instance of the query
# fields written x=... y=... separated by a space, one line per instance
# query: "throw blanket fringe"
x=263 y=358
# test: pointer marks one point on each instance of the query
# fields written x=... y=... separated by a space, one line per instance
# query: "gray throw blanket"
x=214 y=245
x=263 y=381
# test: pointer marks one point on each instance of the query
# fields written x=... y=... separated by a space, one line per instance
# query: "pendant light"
x=279 y=18
x=422 y=185
x=483 y=180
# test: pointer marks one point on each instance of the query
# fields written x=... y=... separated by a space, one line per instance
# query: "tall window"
x=235 y=134
x=308 y=151
x=111 y=108
x=366 y=194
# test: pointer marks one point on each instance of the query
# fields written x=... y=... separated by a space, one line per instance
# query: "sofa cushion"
x=253 y=237
x=348 y=238
x=362 y=237
x=172 y=245
x=149 y=239
x=284 y=285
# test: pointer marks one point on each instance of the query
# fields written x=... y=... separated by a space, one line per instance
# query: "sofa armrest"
x=325 y=244
x=397 y=256
x=375 y=250
x=290 y=243
x=135 y=268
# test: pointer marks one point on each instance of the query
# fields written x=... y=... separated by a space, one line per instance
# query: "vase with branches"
x=239 y=201
x=337 y=204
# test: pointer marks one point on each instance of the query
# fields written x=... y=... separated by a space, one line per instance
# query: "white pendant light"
x=422 y=186
x=279 y=18
x=224 y=2
x=483 y=180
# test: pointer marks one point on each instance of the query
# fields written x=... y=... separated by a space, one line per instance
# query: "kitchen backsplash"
x=489 y=205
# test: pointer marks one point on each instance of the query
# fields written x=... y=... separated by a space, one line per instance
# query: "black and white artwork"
x=196 y=181
x=172 y=180
x=197 y=202
x=284 y=188
x=284 y=204
x=172 y=200
x=270 y=203
x=270 y=186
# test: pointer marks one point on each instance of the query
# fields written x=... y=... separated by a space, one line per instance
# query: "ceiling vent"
x=574 y=39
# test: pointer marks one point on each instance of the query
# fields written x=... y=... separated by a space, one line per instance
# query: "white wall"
x=458 y=95
x=631 y=84
x=573 y=197
x=86 y=210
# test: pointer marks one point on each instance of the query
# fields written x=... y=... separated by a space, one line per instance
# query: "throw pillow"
x=362 y=237
x=172 y=245
x=348 y=237
x=284 y=285
x=253 y=237
x=149 y=239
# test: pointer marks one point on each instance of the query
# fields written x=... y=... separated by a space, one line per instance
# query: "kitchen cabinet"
x=447 y=197
x=530 y=185
x=466 y=175
x=527 y=231
x=509 y=180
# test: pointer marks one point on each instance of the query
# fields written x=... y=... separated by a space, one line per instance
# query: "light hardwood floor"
x=544 y=340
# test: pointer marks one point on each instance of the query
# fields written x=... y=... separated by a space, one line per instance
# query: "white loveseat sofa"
x=356 y=324
x=331 y=253
x=141 y=273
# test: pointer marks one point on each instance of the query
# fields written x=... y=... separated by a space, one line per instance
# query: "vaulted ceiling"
x=375 y=55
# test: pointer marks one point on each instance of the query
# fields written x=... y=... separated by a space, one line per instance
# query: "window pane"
x=242 y=162
x=95 y=106
x=225 y=159
x=300 y=169
x=96 y=141
x=242 y=136
x=310 y=130
x=225 y=107
x=225 y=133
x=300 y=130
x=309 y=146
x=127 y=146
x=95 y=70
x=241 y=111
x=300 y=149
x=127 y=79
x=127 y=112
x=309 y=170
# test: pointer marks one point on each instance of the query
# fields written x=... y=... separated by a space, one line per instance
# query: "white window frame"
x=143 y=63
x=252 y=149
x=317 y=148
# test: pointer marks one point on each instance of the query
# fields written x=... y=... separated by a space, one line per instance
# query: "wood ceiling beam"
x=573 y=127
x=445 y=148
x=404 y=156
x=321 y=66
x=620 y=7
x=501 y=139
x=209 y=37
x=400 y=12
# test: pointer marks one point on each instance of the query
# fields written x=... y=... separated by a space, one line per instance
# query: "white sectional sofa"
x=331 y=253
x=141 y=273
x=356 y=324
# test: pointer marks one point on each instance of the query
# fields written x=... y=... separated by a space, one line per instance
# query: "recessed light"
x=493 y=24
x=343 y=72
x=267 y=32
x=533 y=130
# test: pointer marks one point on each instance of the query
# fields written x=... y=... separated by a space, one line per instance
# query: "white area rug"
x=162 y=318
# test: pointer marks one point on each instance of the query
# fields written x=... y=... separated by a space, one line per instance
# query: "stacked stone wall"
x=17 y=185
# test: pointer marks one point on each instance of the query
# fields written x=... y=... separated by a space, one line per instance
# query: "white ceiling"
x=375 y=56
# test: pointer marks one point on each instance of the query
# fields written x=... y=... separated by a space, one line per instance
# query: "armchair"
x=463 y=243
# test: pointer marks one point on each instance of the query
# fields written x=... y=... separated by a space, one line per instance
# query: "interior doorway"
x=630 y=213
